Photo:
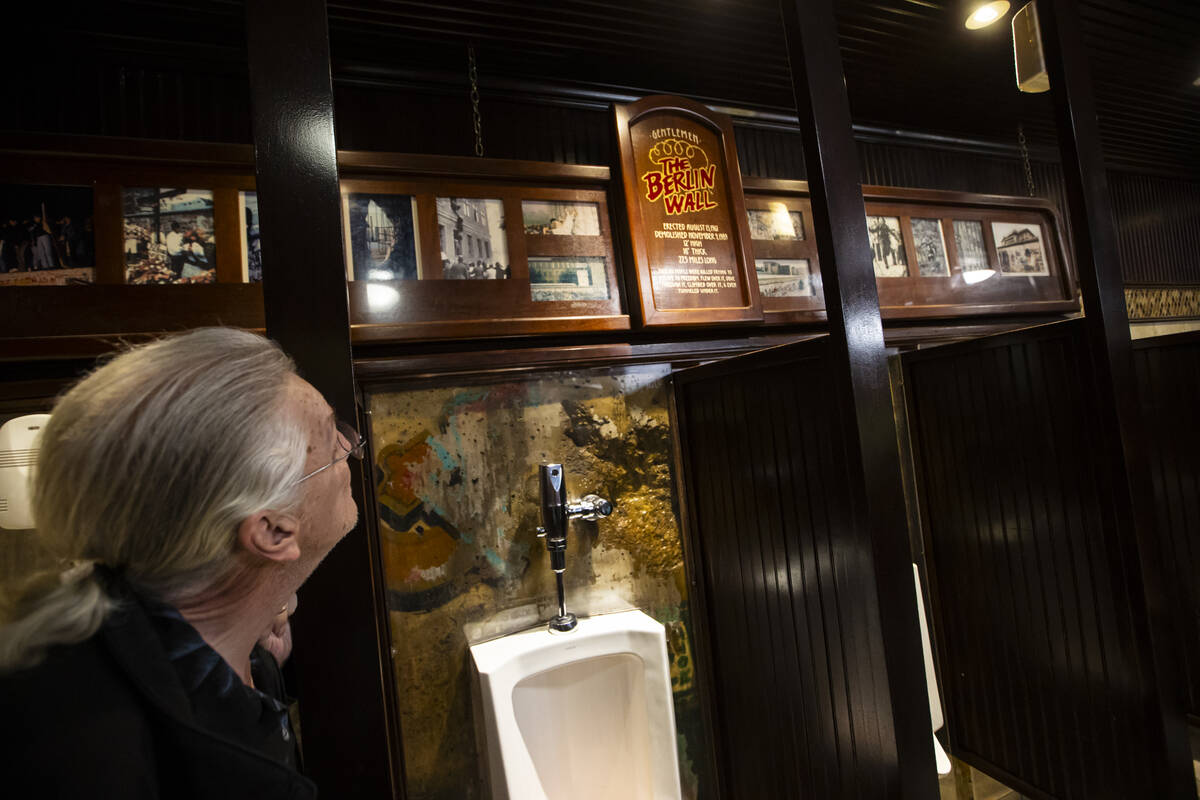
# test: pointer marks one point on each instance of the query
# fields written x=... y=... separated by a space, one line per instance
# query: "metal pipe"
x=556 y=514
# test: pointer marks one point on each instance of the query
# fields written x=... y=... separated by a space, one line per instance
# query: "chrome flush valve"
x=556 y=514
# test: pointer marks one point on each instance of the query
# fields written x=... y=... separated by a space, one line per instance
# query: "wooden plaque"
x=691 y=260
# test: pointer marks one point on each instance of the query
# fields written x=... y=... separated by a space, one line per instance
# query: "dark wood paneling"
x=42 y=312
x=903 y=60
x=130 y=67
x=784 y=582
x=1168 y=372
x=770 y=152
x=375 y=118
x=1158 y=228
x=1038 y=616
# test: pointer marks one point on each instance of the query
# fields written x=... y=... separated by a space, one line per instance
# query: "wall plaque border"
x=676 y=278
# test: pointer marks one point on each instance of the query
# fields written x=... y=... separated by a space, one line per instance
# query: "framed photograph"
x=472 y=237
x=921 y=242
x=968 y=240
x=549 y=218
x=381 y=239
x=1020 y=248
x=251 y=244
x=787 y=268
x=931 y=247
x=779 y=277
x=887 y=247
x=46 y=235
x=776 y=223
x=169 y=236
x=568 y=278
x=490 y=253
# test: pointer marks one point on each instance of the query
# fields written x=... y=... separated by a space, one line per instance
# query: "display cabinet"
x=936 y=254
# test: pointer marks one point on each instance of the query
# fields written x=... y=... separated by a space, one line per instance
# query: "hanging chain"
x=1025 y=160
x=476 y=119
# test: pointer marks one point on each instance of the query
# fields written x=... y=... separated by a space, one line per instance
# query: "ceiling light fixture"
x=984 y=14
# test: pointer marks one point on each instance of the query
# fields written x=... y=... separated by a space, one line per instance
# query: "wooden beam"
x=860 y=365
x=1107 y=332
x=340 y=659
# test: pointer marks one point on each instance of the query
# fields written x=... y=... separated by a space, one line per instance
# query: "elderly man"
x=195 y=483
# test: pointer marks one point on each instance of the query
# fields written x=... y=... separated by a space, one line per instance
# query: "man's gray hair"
x=147 y=466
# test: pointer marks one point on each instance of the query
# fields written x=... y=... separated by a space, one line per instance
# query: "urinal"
x=585 y=715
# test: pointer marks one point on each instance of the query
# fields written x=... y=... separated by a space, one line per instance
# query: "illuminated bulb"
x=971 y=276
x=986 y=14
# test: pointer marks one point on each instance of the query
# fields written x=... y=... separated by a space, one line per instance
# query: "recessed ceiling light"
x=985 y=14
x=1196 y=82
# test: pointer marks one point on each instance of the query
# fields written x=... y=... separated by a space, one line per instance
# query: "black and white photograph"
x=887 y=247
x=169 y=236
x=931 y=248
x=568 y=278
x=549 y=218
x=775 y=223
x=1019 y=248
x=473 y=239
x=381 y=236
x=251 y=241
x=783 y=277
x=46 y=235
x=968 y=240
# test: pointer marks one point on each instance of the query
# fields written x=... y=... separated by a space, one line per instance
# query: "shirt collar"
x=220 y=701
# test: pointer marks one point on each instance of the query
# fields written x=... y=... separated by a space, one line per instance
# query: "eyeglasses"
x=348 y=438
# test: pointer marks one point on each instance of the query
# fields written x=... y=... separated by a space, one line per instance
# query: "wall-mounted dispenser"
x=1027 y=51
x=18 y=454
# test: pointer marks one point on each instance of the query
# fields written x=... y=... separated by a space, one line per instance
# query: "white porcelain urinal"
x=585 y=715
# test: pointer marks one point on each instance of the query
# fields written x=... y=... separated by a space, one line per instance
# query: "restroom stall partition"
x=1168 y=379
x=786 y=609
x=1038 y=614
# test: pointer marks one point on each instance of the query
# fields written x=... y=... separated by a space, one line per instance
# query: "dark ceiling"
x=909 y=64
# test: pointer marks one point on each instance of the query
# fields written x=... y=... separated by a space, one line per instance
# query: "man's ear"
x=270 y=535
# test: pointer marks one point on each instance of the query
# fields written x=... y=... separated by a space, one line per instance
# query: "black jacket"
x=108 y=718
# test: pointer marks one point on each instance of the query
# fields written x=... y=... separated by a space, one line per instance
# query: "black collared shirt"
x=221 y=702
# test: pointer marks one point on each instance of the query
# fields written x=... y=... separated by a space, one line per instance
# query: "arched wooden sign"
x=691 y=259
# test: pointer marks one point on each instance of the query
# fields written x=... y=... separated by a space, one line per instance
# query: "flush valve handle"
x=592 y=507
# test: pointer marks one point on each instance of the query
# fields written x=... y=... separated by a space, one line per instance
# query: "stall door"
x=1041 y=622
x=1168 y=375
x=782 y=581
